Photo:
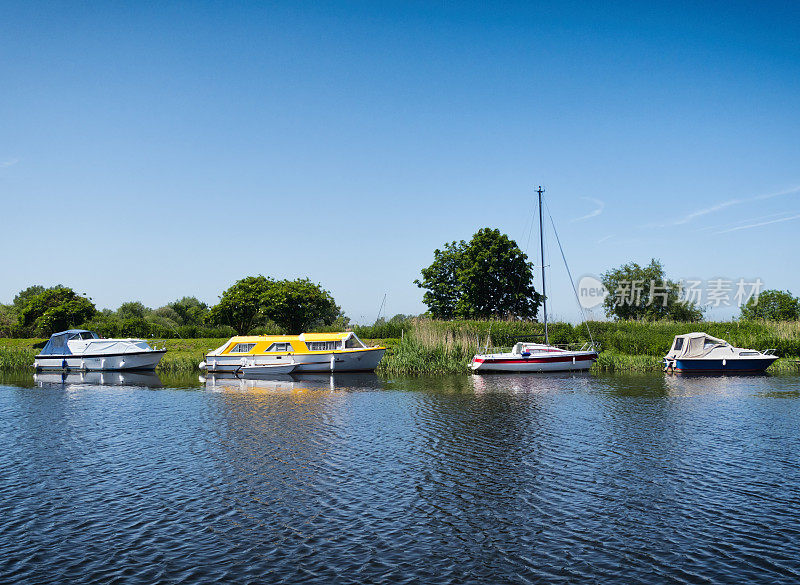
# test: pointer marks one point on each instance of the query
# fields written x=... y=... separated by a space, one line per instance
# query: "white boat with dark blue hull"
x=700 y=353
x=78 y=349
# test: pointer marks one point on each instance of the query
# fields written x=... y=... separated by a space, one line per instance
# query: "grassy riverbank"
x=439 y=347
x=446 y=347
x=182 y=355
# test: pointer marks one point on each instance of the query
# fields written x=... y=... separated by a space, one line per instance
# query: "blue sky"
x=153 y=151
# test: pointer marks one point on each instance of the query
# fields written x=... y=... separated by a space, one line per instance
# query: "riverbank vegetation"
x=426 y=346
x=254 y=305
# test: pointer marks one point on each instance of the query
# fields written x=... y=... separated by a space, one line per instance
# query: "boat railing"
x=769 y=351
x=588 y=346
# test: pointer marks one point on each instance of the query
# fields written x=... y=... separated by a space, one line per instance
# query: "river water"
x=358 y=479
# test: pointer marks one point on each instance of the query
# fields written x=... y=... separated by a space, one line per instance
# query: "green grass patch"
x=446 y=347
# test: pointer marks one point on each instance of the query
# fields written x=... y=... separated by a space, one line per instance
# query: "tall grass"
x=16 y=359
x=628 y=337
x=425 y=346
x=430 y=346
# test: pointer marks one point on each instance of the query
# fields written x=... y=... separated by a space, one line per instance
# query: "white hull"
x=356 y=360
x=565 y=361
x=98 y=362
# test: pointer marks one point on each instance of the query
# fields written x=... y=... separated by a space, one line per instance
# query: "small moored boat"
x=700 y=353
x=307 y=352
x=267 y=369
x=538 y=357
x=79 y=349
x=534 y=357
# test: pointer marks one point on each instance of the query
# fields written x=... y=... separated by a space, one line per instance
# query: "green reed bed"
x=410 y=356
x=14 y=359
x=611 y=361
x=433 y=347
x=624 y=337
x=425 y=346
x=184 y=355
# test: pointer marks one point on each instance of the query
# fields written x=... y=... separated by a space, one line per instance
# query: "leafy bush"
x=772 y=305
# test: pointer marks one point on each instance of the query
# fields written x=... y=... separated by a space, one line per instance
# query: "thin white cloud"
x=701 y=212
x=778 y=194
x=8 y=163
x=725 y=204
x=600 y=207
x=759 y=224
x=725 y=226
x=605 y=239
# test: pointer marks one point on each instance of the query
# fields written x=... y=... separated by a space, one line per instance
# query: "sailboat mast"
x=541 y=247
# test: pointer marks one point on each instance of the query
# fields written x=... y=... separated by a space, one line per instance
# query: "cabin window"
x=88 y=335
x=678 y=343
x=322 y=345
x=280 y=347
x=242 y=348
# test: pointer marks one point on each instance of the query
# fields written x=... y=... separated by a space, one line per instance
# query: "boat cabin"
x=278 y=344
x=57 y=345
x=527 y=348
x=694 y=345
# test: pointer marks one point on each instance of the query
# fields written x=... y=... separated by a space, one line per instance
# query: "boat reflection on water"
x=225 y=382
x=695 y=386
x=230 y=383
x=145 y=379
x=520 y=383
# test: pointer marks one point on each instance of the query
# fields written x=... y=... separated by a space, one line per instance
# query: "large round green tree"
x=240 y=305
x=294 y=305
x=489 y=276
x=299 y=305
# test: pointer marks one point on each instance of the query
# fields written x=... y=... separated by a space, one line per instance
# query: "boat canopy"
x=694 y=344
x=58 y=341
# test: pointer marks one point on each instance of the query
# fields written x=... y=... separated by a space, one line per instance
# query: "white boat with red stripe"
x=539 y=357
x=534 y=357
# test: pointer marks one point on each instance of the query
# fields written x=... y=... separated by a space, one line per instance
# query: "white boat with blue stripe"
x=79 y=349
x=700 y=353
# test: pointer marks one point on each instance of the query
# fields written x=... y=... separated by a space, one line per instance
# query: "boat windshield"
x=354 y=342
x=57 y=345
x=83 y=335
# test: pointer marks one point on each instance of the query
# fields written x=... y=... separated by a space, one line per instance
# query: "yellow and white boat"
x=307 y=352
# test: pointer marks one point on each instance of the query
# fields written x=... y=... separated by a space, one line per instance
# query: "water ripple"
x=518 y=479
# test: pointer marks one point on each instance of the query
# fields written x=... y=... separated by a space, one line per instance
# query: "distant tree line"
x=644 y=293
x=487 y=277
x=255 y=304
x=772 y=305
x=490 y=277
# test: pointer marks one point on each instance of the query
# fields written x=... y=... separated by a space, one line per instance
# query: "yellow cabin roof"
x=258 y=344
x=302 y=337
